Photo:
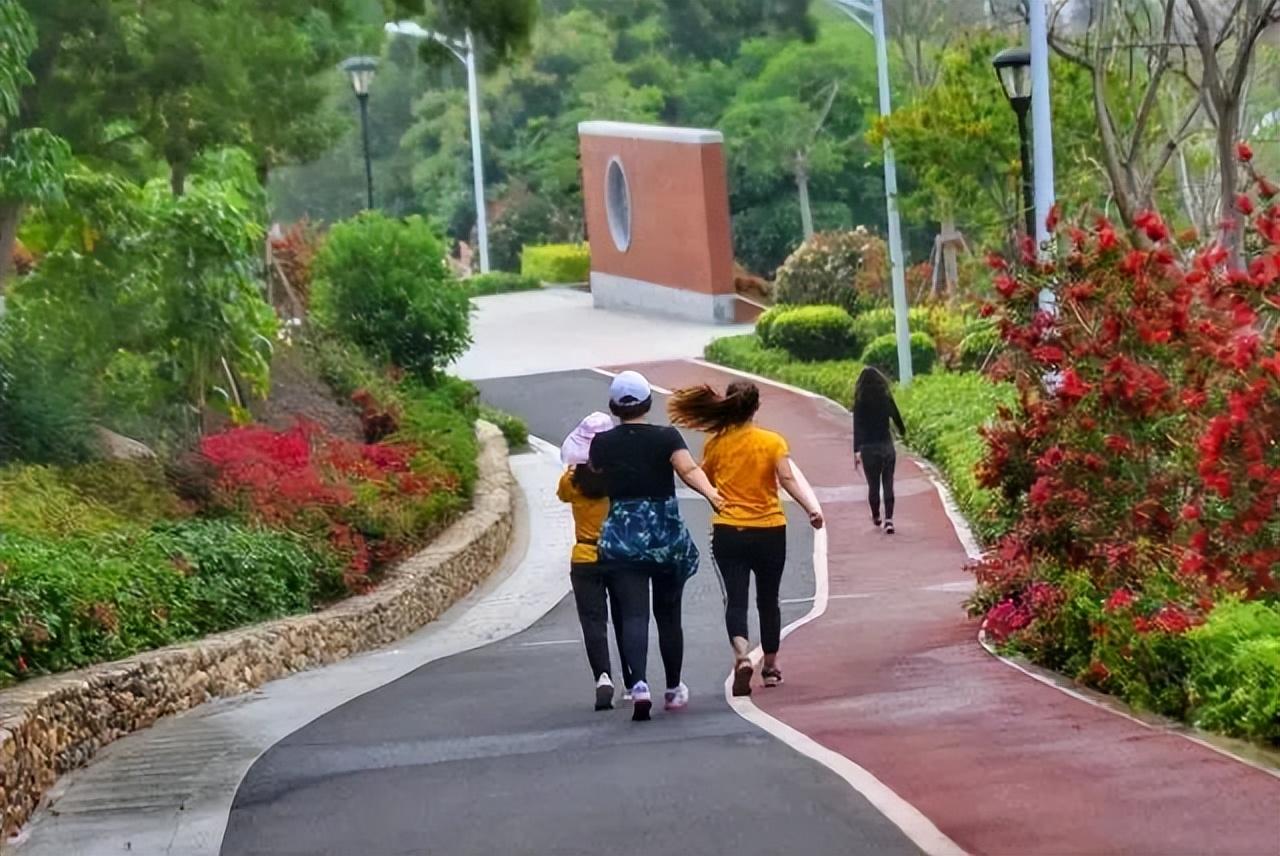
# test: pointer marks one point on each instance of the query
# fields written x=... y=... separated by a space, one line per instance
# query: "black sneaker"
x=888 y=527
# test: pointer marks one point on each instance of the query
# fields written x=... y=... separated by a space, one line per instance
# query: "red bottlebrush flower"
x=1244 y=151
x=1041 y=491
x=1117 y=444
x=1081 y=291
x=986 y=310
x=1051 y=222
x=1097 y=673
x=1151 y=224
x=1120 y=599
x=996 y=262
x=1071 y=387
x=1107 y=239
x=1244 y=204
x=1190 y=512
x=1049 y=355
x=1174 y=620
x=1006 y=285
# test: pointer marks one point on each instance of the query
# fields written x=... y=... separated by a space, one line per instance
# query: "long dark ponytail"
x=701 y=408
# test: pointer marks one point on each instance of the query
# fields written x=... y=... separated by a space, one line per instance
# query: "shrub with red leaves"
x=366 y=500
x=294 y=251
x=1143 y=455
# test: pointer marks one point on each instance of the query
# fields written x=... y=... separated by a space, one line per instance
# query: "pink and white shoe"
x=676 y=698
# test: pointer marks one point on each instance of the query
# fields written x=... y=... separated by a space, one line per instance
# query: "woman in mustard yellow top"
x=585 y=492
x=746 y=464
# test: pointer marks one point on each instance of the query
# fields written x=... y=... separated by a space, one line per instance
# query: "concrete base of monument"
x=609 y=291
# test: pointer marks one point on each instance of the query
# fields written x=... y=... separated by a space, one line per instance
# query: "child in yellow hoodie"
x=584 y=490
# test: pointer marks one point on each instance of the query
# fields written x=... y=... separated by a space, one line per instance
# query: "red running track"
x=891 y=676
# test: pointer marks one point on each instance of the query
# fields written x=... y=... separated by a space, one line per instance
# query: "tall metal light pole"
x=1042 y=126
x=464 y=51
x=1013 y=68
x=874 y=9
x=362 y=70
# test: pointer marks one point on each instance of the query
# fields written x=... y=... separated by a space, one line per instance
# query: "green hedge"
x=499 y=282
x=883 y=354
x=557 y=263
x=68 y=604
x=943 y=413
x=813 y=333
x=833 y=378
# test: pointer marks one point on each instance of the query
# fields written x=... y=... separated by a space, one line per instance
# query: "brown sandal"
x=742 y=674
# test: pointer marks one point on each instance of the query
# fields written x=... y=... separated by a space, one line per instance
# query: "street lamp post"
x=362 y=70
x=1013 y=68
x=464 y=51
x=874 y=9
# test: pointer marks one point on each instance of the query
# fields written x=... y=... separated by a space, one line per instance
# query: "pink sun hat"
x=577 y=446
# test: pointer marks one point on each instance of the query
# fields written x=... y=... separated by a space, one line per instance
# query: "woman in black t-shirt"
x=644 y=539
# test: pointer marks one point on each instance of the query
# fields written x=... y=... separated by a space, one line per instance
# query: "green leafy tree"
x=32 y=160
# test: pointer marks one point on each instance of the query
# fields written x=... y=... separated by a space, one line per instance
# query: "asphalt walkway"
x=499 y=751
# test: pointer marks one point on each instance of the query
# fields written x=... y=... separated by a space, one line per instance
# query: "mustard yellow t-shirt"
x=588 y=518
x=742 y=464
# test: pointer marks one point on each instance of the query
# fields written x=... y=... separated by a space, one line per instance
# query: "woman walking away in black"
x=643 y=539
x=873 y=408
x=746 y=464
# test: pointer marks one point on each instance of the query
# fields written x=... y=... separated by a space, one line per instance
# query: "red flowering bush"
x=294 y=252
x=368 y=501
x=1143 y=452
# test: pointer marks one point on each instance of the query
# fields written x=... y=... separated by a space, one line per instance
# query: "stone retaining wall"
x=52 y=725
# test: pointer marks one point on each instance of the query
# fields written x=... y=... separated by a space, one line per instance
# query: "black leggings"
x=629 y=584
x=739 y=553
x=879 y=459
x=591 y=586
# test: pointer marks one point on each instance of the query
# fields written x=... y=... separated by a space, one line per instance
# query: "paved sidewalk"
x=556 y=329
x=892 y=677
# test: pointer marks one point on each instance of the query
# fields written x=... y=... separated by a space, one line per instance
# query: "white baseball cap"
x=629 y=388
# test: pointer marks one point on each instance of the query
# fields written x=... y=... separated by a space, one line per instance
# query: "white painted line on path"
x=550 y=642
x=901 y=813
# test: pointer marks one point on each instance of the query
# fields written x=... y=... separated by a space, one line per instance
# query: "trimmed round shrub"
x=978 y=348
x=842 y=269
x=764 y=324
x=814 y=333
x=883 y=354
x=383 y=285
x=872 y=324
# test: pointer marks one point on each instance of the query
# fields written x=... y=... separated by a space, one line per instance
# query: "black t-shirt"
x=636 y=460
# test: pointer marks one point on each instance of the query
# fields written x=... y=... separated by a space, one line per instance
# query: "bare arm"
x=692 y=475
x=791 y=484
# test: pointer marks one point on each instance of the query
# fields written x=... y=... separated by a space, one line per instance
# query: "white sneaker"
x=641 y=702
x=676 y=698
x=604 y=692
